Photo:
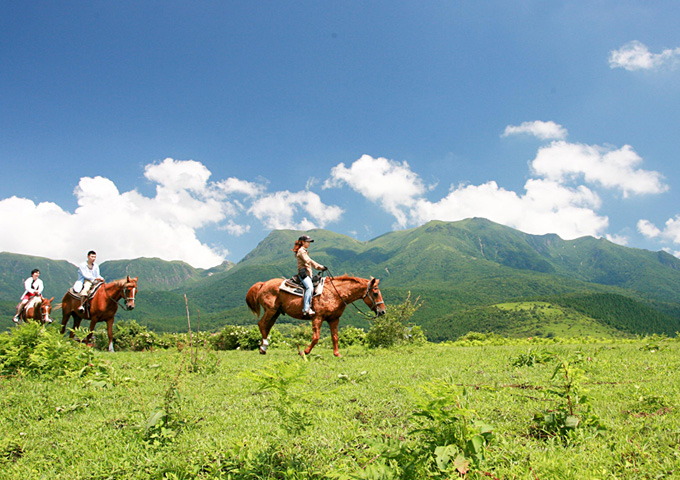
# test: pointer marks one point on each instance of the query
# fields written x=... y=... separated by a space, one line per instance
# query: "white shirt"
x=86 y=273
x=33 y=287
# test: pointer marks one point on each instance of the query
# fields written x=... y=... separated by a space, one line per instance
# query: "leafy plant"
x=575 y=411
x=165 y=422
x=41 y=350
x=279 y=378
x=393 y=328
x=532 y=358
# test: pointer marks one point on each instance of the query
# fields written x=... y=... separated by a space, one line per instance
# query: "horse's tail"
x=253 y=297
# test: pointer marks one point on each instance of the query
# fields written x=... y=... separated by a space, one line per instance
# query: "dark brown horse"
x=338 y=292
x=38 y=310
x=103 y=306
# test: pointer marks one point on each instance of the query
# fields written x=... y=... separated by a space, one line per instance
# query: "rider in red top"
x=33 y=287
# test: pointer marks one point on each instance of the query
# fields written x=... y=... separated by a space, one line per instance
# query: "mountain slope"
x=453 y=266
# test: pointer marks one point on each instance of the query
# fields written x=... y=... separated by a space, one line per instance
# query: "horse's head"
x=373 y=297
x=129 y=292
x=45 y=310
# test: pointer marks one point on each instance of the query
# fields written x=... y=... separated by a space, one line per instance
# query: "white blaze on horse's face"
x=45 y=310
x=129 y=293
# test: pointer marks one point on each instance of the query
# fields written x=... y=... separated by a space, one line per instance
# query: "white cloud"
x=543 y=130
x=616 y=169
x=670 y=231
x=279 y=210
x=648 y=229
x=546 y=207
x=618 y=239
x=122 y=225
x=235 y=185
x=559 y=198
x=636 y=56
x=391 y=184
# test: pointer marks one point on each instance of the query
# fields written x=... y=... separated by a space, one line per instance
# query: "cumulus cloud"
x=648 y=229
x=615 y=169
x=561 y=196
x=280 y=210
x=636 y=56
x=543 y=130
x=545 y=207
x=123 y=225
x=391 y=184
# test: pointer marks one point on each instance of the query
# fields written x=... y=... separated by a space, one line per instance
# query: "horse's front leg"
x=76 y=324
x=88 y=339
x=109 y=331
x=316 y=333
x=333 y=324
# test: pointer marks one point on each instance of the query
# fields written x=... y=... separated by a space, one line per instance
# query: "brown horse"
x=338 y=292
x=38 y=310
x=103 y=306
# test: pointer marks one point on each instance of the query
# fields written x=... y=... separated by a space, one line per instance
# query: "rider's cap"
x=305 y=238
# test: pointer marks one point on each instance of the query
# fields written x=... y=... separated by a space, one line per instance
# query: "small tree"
x=394 y=328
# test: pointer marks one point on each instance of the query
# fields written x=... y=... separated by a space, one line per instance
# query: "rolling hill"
x=459 y=269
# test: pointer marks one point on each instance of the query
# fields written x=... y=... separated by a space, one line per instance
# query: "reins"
x=123 y=306
x=331 y=277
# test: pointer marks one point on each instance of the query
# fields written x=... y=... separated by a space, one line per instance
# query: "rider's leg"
x=20 y=307
x=307 y=299
x=83 y=294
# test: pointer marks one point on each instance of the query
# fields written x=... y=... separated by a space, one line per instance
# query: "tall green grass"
x=466 y=410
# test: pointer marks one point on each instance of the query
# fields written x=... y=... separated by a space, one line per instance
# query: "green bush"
x=393 y=327
x=234 y=337
x=40 y=350
x=350 y=335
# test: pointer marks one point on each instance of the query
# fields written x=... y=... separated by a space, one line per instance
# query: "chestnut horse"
x=39 y=310
x=103 y=306
x=338 y=292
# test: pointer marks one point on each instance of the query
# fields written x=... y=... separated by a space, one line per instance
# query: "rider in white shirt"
x=88 y=274
x=33 y=287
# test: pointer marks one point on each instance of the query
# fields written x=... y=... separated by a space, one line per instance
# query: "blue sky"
x=190 y=130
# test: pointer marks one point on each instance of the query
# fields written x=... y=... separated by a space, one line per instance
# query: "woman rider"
x=33 y=287
x=305 y=265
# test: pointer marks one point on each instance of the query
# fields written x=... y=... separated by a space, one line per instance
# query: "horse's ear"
x=128 y=279
x=51 y=299
x=370 y=284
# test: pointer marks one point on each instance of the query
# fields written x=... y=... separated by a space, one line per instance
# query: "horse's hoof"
x=263 y=352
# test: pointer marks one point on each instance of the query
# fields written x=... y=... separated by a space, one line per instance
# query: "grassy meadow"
x=539 y=409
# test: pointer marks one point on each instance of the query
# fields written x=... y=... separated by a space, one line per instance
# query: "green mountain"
x=461 y=270
x=159 y=274
x=456 y=266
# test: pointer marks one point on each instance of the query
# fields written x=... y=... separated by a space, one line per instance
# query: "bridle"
x=128 y=298
x=366 y=294
x=372 y=296
x=45 y=311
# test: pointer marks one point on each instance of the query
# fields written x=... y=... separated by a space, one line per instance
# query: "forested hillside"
x=459 y=269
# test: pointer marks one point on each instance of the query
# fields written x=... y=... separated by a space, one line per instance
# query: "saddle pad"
x=299 y=291
x=33 y=302
x=90 y=294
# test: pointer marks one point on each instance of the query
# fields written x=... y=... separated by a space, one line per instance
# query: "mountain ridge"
x=452 y=266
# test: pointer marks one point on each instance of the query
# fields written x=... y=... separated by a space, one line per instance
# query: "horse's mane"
x=120 y=282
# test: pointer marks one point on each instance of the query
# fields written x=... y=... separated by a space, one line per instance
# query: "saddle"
x=90 y=295
x=294 y=285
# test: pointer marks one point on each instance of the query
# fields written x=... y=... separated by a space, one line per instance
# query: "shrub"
x=40 y=350
x=392 y=328
x=350 y=335
x=233 y=337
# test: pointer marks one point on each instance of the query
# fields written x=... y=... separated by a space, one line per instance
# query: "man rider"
x=88 y=274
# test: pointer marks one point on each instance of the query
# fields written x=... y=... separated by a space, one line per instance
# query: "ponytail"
x=298 y=244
